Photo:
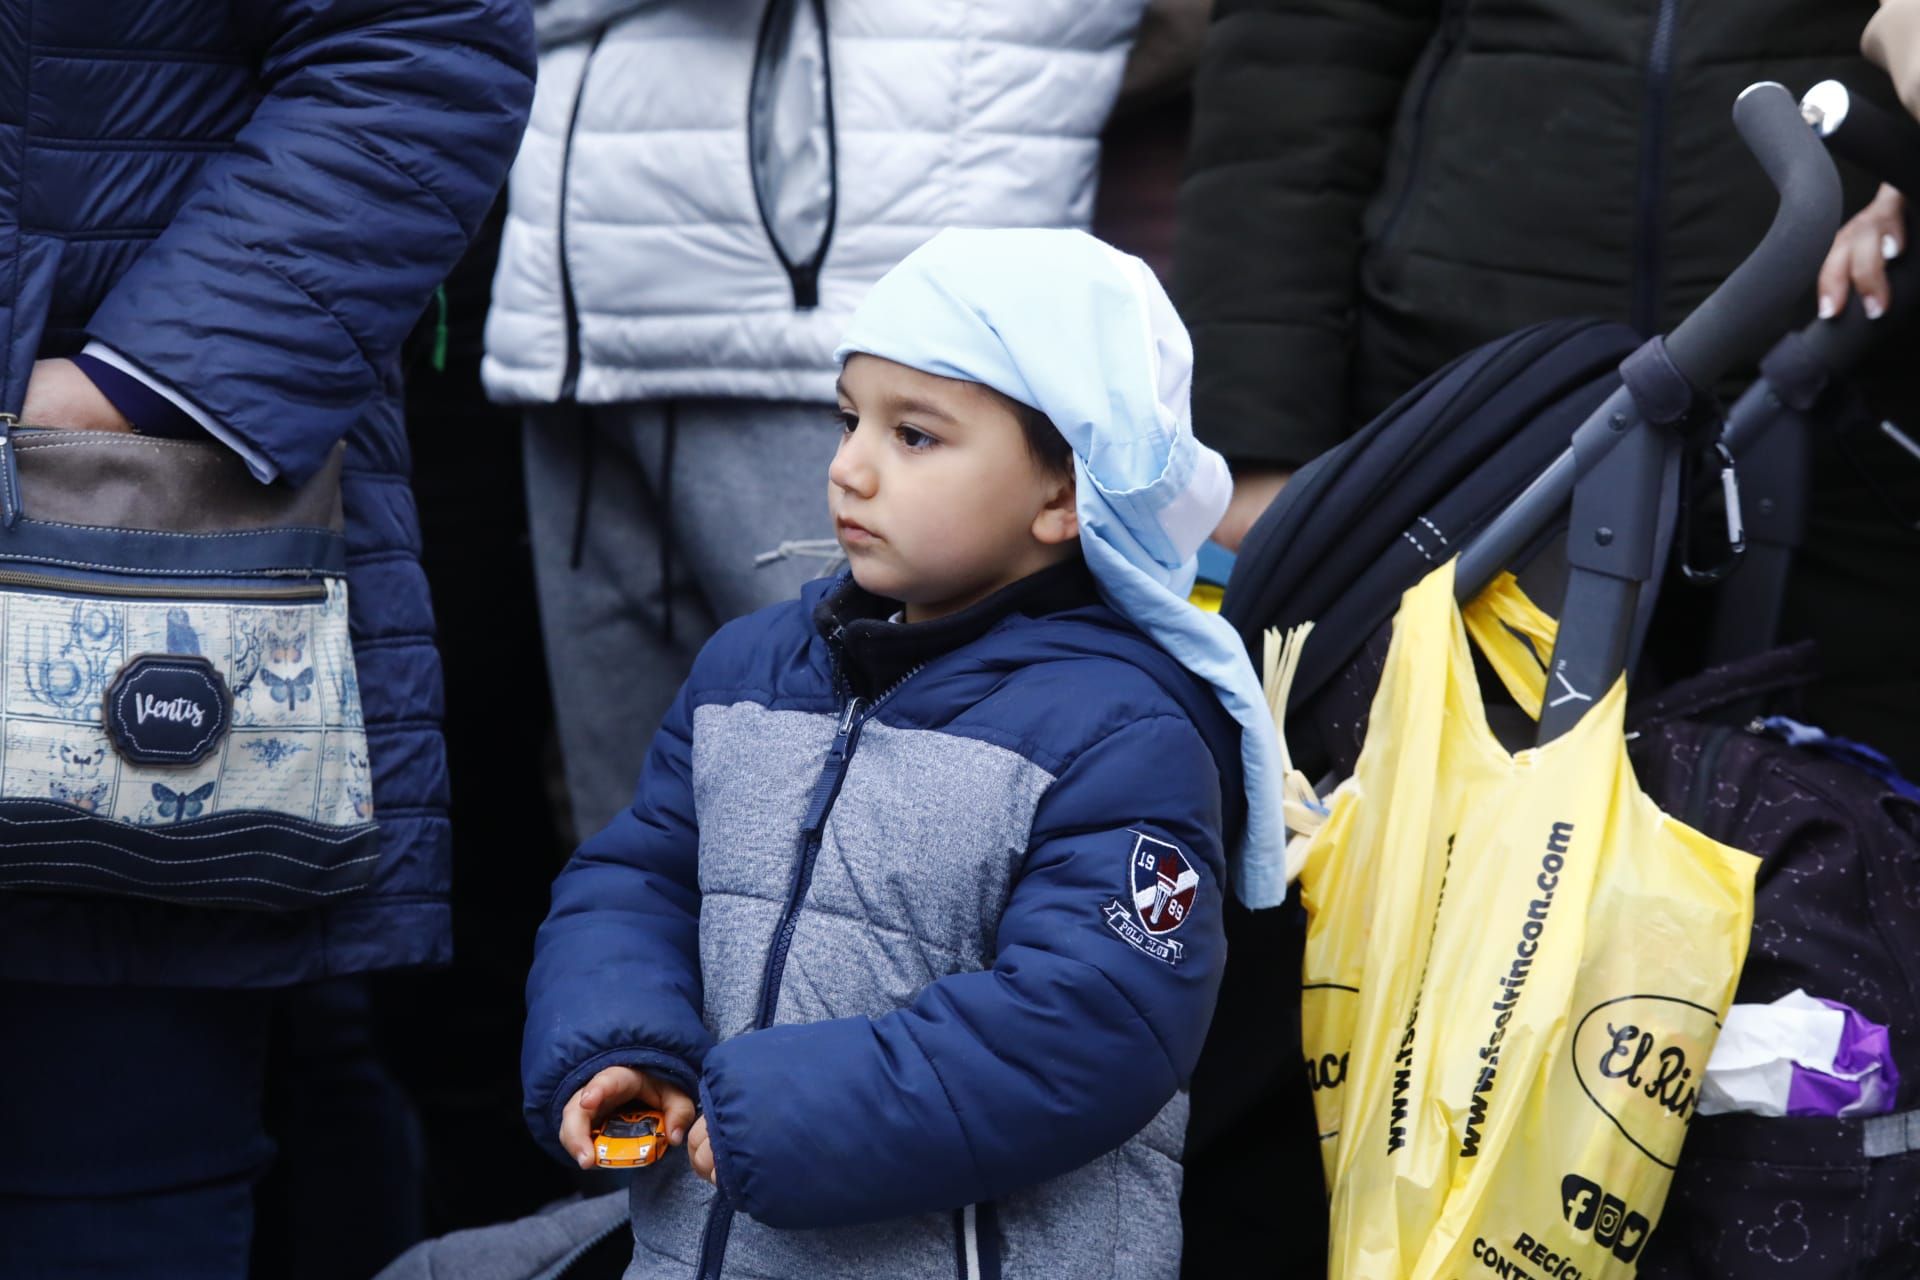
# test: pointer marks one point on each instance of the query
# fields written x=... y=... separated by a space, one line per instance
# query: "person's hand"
x=1890 y=42
x=1253 y=493
x=59 y=395
x=611 y=1089
x=700 y=1151
x=1858 y=260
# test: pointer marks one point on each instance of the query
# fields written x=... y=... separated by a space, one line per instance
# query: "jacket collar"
x=875 y=654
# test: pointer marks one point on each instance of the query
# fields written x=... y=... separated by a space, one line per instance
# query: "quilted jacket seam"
x=306 y=296
x=812 y=906
x=933 y=1065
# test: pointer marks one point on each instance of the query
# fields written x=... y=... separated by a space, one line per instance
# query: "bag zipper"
x=1704 y=770
x=826 y=789
x=158 y=590
x=569 y=304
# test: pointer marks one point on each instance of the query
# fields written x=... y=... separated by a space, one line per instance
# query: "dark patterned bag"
x=1837 y=914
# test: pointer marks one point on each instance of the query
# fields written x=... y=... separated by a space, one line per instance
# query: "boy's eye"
x=847 y=419
x=913 y=437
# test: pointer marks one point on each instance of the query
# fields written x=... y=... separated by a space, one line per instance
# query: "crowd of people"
x=817 y=745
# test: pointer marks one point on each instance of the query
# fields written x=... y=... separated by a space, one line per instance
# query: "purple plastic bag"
x=1800 y=1056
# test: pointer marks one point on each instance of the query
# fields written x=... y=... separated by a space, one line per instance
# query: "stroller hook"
x=1736 y=528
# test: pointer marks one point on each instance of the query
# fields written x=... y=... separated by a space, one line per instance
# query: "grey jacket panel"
x=876 y=927
x=670 y=1217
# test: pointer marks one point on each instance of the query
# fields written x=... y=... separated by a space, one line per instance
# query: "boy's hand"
x=611 y=1089
x=1858 y=260
x=700 y=1151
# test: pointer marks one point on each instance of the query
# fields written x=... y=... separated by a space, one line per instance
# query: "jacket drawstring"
x=827 y=549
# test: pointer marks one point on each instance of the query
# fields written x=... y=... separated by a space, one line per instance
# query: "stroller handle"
x=1749 y=309
x=1884 y=143
x=1755 y=304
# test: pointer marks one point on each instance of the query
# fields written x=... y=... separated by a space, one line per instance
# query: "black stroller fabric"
x=1362 y=523
x=1349 y=534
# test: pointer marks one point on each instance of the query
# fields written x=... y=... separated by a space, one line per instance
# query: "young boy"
x=920 y=895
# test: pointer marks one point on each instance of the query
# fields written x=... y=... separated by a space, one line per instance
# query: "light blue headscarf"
x=1084 y=333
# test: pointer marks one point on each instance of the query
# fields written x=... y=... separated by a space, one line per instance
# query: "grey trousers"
x=646 y=519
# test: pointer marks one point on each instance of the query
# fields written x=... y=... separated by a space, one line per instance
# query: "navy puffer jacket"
x=934 y=932
x=253 y=200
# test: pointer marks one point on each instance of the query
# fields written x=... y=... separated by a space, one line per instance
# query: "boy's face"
x=936 y=498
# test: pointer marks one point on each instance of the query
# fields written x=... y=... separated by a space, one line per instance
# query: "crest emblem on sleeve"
x=1162 y=888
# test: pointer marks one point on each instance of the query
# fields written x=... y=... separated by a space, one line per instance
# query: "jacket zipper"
x=570 y=305
x=803 y=277
x=1647 y=263
x=1445 y=42
x=826 y=789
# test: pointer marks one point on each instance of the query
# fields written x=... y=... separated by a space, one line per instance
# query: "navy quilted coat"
x=253 y=200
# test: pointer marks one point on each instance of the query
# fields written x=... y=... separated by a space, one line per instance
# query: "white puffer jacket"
x=708 y=187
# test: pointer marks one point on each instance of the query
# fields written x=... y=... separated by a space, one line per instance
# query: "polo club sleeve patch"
x=1161 y=888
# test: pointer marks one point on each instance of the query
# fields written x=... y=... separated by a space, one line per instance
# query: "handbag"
x=180 y=716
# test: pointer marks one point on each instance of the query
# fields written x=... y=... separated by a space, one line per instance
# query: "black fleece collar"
x=874 y=654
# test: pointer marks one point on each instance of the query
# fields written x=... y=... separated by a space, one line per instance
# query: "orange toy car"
x=630 y=1140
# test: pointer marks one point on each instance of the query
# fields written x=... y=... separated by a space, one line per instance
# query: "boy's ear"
x=1059 y=519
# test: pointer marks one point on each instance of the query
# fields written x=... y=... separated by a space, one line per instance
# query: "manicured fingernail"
x=1873 y=306
x=679 y=1136
x=1828 y=307
x=1889 y=247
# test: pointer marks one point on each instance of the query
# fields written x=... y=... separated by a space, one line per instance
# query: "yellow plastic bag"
x=1516 y=967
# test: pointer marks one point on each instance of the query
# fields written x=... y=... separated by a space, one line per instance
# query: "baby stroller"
x=1476 y=462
